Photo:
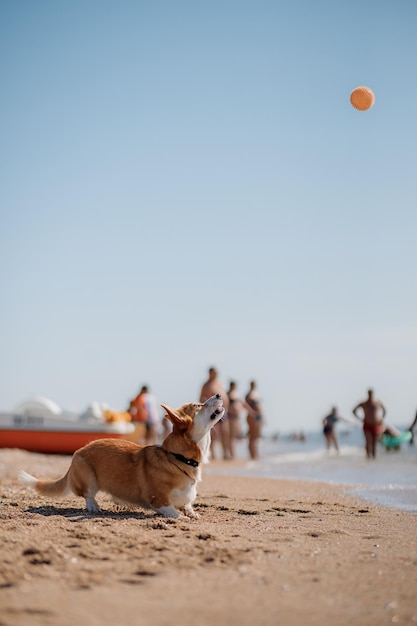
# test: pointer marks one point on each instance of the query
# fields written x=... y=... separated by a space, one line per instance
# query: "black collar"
x=184 y=459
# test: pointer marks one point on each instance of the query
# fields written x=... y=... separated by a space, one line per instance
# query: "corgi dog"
x=163 y=478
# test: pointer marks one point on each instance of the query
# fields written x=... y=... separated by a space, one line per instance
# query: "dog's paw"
x=190 y=513
x=92 y=505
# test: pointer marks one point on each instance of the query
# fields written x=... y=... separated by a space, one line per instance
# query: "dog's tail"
x=59 y=487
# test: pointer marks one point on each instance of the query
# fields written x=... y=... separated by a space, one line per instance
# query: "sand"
x=264 y=552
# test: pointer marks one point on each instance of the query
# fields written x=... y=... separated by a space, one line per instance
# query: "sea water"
x=389 y=480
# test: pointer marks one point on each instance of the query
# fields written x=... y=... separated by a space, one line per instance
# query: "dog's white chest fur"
x=180 y=498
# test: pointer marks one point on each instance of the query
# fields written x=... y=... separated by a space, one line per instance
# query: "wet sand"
x=264 y=552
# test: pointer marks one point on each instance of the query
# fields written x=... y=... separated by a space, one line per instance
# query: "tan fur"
x=147 y=476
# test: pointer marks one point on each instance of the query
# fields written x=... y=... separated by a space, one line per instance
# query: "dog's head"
x=197 y=420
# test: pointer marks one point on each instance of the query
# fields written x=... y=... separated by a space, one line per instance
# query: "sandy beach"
x=263 y=552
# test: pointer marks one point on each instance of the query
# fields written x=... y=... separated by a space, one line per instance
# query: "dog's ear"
x=174 y=416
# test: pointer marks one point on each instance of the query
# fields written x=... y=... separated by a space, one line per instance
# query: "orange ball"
x=362 y=98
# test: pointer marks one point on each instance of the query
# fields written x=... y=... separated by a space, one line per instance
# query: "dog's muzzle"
x=216 y=413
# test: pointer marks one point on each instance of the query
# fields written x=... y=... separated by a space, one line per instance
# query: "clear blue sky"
x=186 y=184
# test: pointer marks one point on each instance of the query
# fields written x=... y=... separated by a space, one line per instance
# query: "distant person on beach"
x=411 y=429
x=221 y=431
x=137 y=411
x=145 y=415
x=152 y=417
x=329 y=429
x=254 y=419
x=373 y=415
x=233 y=416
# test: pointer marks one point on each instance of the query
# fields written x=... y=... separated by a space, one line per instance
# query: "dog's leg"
x=92 y=505
x=83 y=482
x=189 y=512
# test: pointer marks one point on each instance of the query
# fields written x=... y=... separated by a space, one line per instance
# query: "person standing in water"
x=221 y=430
x=373 y=415
x=233 y=416
x=254 y=419
x=329 y=429
x=411 y=429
